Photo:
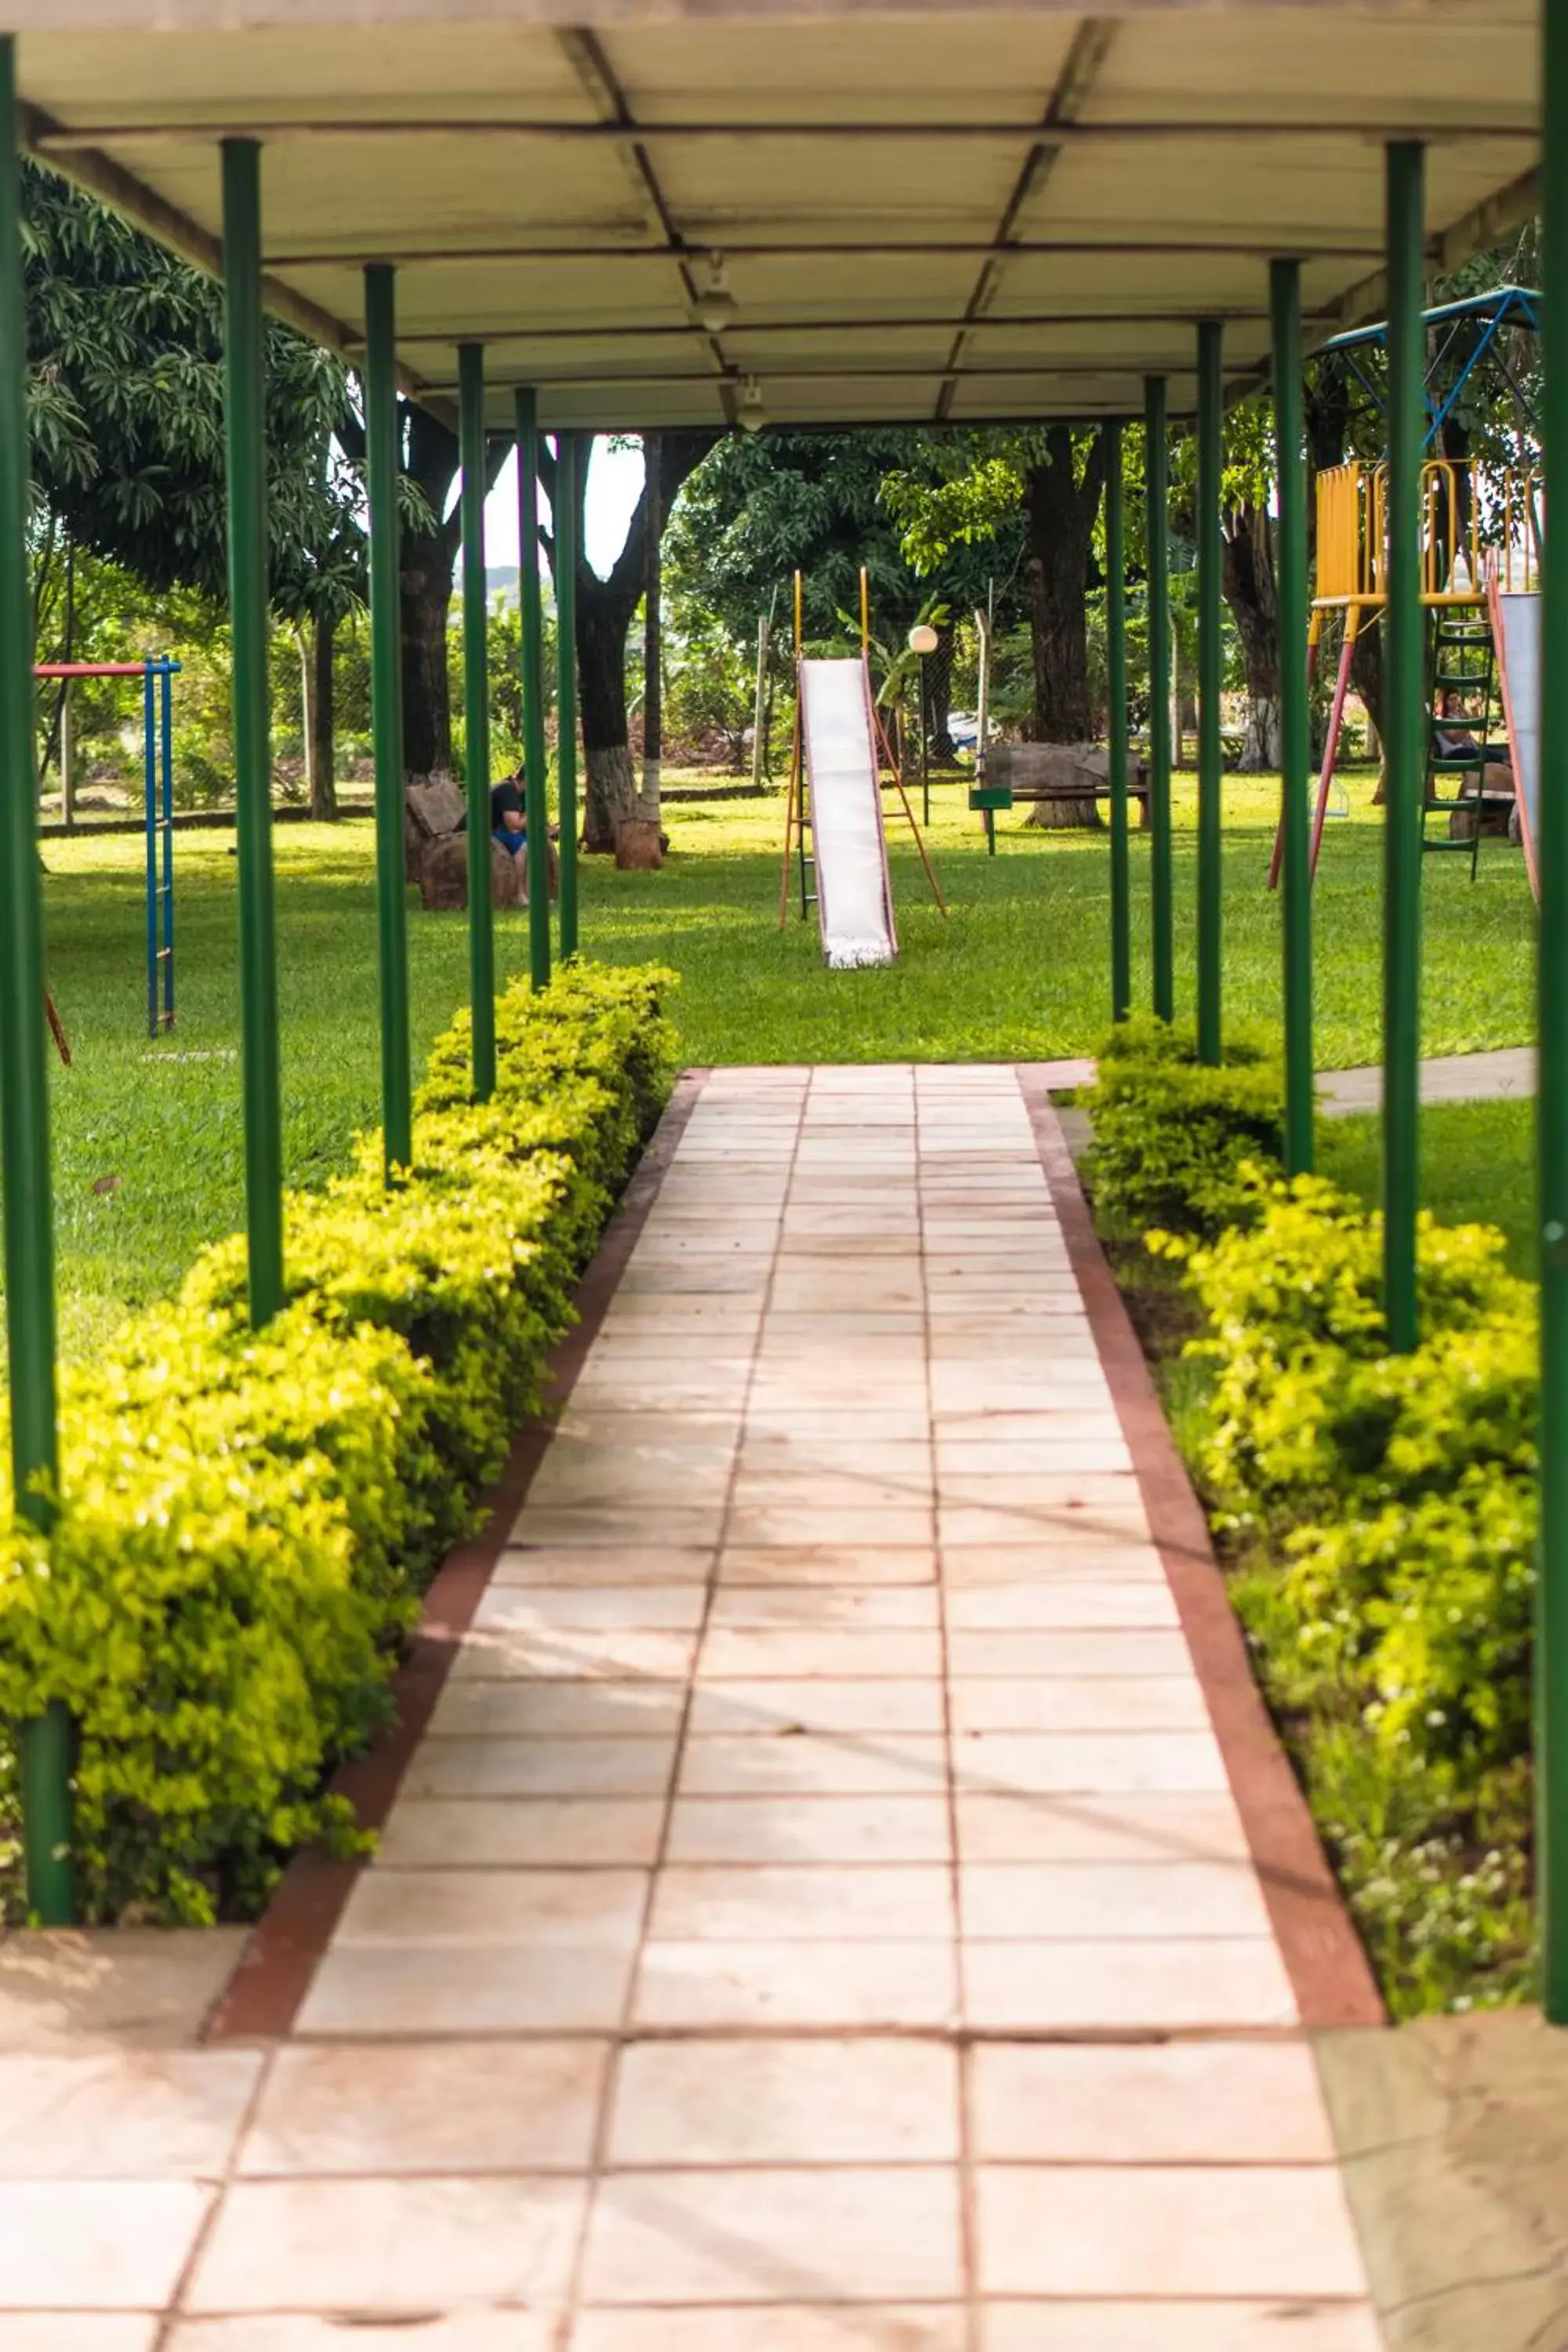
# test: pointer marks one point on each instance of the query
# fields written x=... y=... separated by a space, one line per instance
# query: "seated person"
x=508 y=818
x=1455 y=740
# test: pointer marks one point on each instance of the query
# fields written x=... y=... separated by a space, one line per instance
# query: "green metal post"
x=1116 y=695
x=565 y=522
x=535 y=799
x=1285 y=292
x=386 y=711
x=1406 y=744
x=44 y=1756
x=1551 y=1590
x=1211 y=750
x=1157 y=479
x=245 y=423
x=476 y=719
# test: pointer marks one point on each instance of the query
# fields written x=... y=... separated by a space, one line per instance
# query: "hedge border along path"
x=267 y=1989
x=248 y=1519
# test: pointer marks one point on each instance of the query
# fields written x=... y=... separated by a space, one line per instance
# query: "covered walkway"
x=842 y=1898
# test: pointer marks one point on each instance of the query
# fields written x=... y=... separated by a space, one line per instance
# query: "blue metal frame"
x=158 y=773
x=1504 y=307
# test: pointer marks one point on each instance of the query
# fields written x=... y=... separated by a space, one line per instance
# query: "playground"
x=148 y=1133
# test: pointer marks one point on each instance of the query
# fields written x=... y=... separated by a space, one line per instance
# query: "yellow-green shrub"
x=244 y=1520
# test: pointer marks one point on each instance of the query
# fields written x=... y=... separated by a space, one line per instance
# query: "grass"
x=1477 y=1166
x=149 y=1148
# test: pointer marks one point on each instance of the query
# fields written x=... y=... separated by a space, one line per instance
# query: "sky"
x=615 y=485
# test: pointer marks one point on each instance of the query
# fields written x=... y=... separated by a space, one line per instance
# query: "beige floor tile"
x=565 y=1610
x=763 y=2236
x=970 y=1469
x=706 y=1986
x=522 y=1909
x=782 y=2328
x=762 y=1652
x=1163 y=1901
x=817 y=1706
x=823 y=1495
x=1099 y=1604
x=128 y=2114
x=458 y=2331
x=1094 y=1703
x=388 y=2247
x=742 y=1566
x=439 y=1989
x=619 y=1522
x=902 y=1903
x=1076 y=1558
x=521 y=1833
x=80 y=2331
x=429 y=2107
x=499 y=1653
x=983 y=1521
x=877 y=1608
x=1039 y=1988
x=1275 y=2327
x=783 y=2102
x=596 y=1565
x=810 y=1764
x=1188 y=2103
x=627 y=1767
x=586 y=1478
x=1027 y=1763
x=816 y=1523
x=1184 y=1826
x=557 y=1710
x=94 y=2245
x=1166 y=2231
x=809 y=1829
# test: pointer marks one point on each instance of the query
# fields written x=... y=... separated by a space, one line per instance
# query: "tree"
x=125 y=406
x=604 y=613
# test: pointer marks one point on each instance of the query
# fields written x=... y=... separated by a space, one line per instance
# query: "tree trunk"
x=426 y=694
x=637 y=842
x=937 y=680
x=324 y=745
x=1060 y=511
x=605 y=610
x=1252 y=592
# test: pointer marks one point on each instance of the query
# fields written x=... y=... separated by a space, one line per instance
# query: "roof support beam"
x=1090 y=45
x=823 y=249
x=63 y=140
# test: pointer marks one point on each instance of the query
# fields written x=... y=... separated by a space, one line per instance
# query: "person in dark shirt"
x=508 y=822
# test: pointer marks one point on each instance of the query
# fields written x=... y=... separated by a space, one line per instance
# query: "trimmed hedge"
x=1171 y=1135
x=1379 y=1514
x=247 y=1520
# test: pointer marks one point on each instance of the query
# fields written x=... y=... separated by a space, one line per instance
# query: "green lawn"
x=148 y=1144
x=1477 y=1166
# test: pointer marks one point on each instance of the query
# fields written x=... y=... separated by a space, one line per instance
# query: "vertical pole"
x=1211 y=752
x=535 y=802
x=1295 y=731
x=245 y=426
x=1405 y=743
x=166 y=753
x=1157 y=476
x=46 y=1741
x=476 y=718
x=1115 y=694
x=566 y=512
x=386 y=711
x=1552 y=1592
x=67 y=760
x=150 y=791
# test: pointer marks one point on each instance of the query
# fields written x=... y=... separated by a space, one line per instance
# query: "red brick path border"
x=273 y=1976
x=1328 y=1968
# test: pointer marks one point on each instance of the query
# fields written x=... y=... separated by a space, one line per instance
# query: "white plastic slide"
x=1516 y=633
x=854 y=897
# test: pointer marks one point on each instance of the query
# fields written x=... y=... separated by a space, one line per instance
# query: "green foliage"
x=1172 y=1136
x=1384 y=1509
x=244 y=1520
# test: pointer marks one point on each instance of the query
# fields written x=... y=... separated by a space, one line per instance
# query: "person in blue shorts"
x=509 y=820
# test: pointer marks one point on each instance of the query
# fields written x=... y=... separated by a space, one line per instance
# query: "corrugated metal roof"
x=959 y=213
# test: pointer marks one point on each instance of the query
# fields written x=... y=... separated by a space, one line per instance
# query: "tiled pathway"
x=817 y=1920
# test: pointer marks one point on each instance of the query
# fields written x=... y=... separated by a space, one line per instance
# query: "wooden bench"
x=1031 y=772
